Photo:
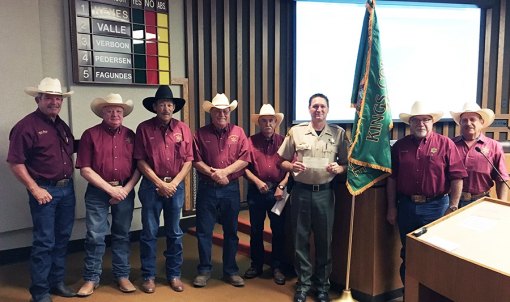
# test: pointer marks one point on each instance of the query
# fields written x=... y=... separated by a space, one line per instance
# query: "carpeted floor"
x=15 y=279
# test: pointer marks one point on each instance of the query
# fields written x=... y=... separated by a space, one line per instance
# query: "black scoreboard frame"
x=105 y=57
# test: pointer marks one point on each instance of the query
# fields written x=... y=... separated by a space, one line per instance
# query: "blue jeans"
x=412 y=216
x=226 y=200
x=152 y=205
x=97 y=206
x=260 y=204
x=53 y=224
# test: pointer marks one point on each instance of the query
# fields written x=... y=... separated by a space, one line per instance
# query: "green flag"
x=369 y=155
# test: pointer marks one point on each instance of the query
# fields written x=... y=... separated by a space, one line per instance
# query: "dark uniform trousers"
x=312 y=212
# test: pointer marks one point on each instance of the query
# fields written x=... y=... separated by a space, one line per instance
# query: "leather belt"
x=313 y=188
x=117 y=183
x=212 y=183
x=423 y=198
x=166 y=179
x=465 y=196
x=53 y=183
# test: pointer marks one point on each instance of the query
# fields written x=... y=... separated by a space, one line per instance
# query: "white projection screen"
x=430 y=52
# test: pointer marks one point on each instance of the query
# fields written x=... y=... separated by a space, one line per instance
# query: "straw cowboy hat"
x=163 y=93
x=113 y=99
x=486 y=114
x=220 y=101
x=49 y=86
x=267 y=109
x=420 y=108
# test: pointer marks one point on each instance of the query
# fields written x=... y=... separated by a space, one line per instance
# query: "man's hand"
x=391 y=215
x=220 y=176
x=334 y=168
x=41 y=195
x=118 y=193
x=262 y=186
x=278 y=194
x=298 y=167
x=166 y=189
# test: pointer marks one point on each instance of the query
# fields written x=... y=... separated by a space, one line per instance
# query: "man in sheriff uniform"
x=426 y=167
x=321 y=153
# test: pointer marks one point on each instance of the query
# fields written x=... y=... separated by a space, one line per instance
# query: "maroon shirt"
x=265 y=161
x=480 y=172
x=221 y=148
x=44 y=146
x=426 y=166
x=109 y=152
x=164 y=148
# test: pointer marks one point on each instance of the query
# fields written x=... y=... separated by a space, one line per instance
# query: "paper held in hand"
x=280 y=204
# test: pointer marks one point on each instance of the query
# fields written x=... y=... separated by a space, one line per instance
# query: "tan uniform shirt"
x=316 y=152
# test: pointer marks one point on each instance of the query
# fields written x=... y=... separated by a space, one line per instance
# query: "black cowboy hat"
x=163 y=93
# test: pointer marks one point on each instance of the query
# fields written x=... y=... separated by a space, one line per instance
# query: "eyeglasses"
x=417 y=121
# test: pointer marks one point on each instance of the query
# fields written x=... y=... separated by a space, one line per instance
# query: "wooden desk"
x=462 y=257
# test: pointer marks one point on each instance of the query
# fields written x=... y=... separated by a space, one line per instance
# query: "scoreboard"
x=120 y=41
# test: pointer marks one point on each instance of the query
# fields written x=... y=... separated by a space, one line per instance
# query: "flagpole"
x=346 y=294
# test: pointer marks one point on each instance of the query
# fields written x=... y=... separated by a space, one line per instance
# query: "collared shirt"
x=165 y=149
x=44 y=146
x=426 y=166
x=265 y=162
x=480 y=173
x=109 y=152
x=316 y=152
x=221 y=148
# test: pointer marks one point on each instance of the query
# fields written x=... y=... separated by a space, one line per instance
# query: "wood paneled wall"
x=244 y=48
x=238 y=48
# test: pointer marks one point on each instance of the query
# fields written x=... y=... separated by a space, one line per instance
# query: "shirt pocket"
x=303 y=149
x=181 y=149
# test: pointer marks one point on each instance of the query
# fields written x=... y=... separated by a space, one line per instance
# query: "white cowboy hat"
x=486 y=114
x=420 y=108
x=49 y=86
x=113 y=99
x=267 y=109
x=220 y=101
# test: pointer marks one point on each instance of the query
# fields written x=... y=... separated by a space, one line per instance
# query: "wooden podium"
x=375 y=246
x=462 y=257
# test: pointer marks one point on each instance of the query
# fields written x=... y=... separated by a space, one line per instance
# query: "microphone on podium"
x=477 y=149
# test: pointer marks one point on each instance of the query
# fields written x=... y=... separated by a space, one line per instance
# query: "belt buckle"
x=315 y=188
x=62 y=182
x=167 y=179
x=465 y=196
x=418 y=198
x=114 y=183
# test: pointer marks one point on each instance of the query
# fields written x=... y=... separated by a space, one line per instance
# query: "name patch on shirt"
x=178 y=137
x=484 y=150
x=41 y=132
x=233 y=138
x=433 y=150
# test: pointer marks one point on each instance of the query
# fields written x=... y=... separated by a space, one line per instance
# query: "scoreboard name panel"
x=120 y=41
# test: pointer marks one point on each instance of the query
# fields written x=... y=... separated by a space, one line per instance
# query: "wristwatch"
x=453 y=208
x=281 y=187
